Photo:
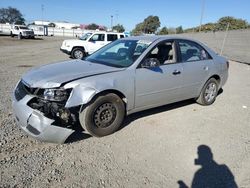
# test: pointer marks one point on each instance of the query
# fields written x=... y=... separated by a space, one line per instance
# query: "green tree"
x=92 y=26
x=138 y=30
x=148 y=26
x=151 y=24
x=119 y=28
x=163 y=31
x=11 y=15
x=234 y=23
x=179 y=30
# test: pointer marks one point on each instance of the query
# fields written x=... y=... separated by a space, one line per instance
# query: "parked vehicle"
x=21 y=31
x=89 y=43
x=125 y=76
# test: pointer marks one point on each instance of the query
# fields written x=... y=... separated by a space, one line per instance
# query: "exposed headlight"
x=56 y=94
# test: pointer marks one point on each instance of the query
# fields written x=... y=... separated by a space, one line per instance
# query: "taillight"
x=227 y=64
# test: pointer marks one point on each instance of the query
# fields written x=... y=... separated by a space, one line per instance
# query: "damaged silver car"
x=126 y=76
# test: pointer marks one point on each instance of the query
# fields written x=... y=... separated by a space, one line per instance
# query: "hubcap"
x=78 y=54
x=104 y=115
x=210 y=92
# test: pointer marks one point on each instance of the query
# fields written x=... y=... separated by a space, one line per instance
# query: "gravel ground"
x=154 y=148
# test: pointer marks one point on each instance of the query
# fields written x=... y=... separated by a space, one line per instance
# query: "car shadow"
x=79 y=135
x=129 y=119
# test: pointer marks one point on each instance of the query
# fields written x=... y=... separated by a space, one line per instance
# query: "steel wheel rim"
x=104 y=115
x=78 y=54
x=210 y=92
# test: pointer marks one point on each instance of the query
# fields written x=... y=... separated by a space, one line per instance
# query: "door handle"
x=176 y=72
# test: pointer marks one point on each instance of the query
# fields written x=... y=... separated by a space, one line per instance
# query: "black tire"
x=103 y=116
x=78 y=53
x=11 y=34
x=208 y=93
x=20 y=36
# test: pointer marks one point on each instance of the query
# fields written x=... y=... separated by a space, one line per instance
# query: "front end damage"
x=44 y=118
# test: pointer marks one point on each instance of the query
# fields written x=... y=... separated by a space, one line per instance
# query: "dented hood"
x=53 y=75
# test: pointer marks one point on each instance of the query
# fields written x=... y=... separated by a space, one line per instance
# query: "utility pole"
x=42 y=7
x=111 y=22
x=224 y=40
x=202 y=13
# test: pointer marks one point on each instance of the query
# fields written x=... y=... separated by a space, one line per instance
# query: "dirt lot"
x=155 y=148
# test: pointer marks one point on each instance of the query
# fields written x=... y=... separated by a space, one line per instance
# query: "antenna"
x=111 y=21
x=42 y=8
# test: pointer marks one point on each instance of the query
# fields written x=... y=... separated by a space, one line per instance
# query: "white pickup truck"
x=88 y=43
x=21 y=31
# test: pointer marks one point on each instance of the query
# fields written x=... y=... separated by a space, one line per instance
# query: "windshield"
x=85 y=36
x=23 y=27
x=120 y=53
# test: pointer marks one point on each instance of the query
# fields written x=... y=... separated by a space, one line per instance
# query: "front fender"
x=83 y=93
x=80 y=95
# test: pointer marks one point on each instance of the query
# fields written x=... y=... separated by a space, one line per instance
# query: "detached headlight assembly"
x=56 y=94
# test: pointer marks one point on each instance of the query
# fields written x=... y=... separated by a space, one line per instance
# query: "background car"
x=22 y=31
x=89 y=43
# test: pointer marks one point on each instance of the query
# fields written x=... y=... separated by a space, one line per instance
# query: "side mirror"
x=150 y=63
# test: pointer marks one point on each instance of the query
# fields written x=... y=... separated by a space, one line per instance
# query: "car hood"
x=74 y=41
x=54 y=75
x=25 y=30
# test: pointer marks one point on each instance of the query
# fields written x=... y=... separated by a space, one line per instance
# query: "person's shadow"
x=211 y=174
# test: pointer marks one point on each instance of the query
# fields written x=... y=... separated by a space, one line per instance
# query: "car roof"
x=152 y=38
x=101 y=32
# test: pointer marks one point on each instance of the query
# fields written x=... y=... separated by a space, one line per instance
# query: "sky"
x=172 y=13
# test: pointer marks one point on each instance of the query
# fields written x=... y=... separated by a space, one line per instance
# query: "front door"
x=96 y=42
x=159 y=85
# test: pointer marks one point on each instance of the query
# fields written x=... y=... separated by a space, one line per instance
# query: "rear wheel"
x=11 y=34
x=103 y=116
x=78 y=53
x=209 y=92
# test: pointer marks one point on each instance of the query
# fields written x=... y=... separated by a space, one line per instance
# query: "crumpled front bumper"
x=35 y=124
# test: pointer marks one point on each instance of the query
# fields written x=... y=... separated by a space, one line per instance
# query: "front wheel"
x=77 y=53
x=11 y=34
x=208 y=93
x=103 y=116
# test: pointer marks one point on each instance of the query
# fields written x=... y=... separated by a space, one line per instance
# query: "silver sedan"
x=126 y=76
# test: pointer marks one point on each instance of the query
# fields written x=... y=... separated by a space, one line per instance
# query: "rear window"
x=121 y=36
x=112 y=37
x=191 y=51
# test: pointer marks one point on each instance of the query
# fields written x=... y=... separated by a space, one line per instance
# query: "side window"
x=191 y=51
x=112 y=37
x=121 y=36
x=16 y=28
x=164 y=52
x=97 y=37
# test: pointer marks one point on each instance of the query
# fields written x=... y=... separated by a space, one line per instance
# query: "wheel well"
x=118 y=93
x=81 y=47
x=216 y=77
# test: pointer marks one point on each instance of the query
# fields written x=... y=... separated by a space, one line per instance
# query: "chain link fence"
x=236 y=43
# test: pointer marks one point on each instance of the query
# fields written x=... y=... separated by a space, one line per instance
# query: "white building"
x=58 y=25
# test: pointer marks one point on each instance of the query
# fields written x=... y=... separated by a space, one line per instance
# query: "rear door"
x=196 y=67
x=111 y=38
